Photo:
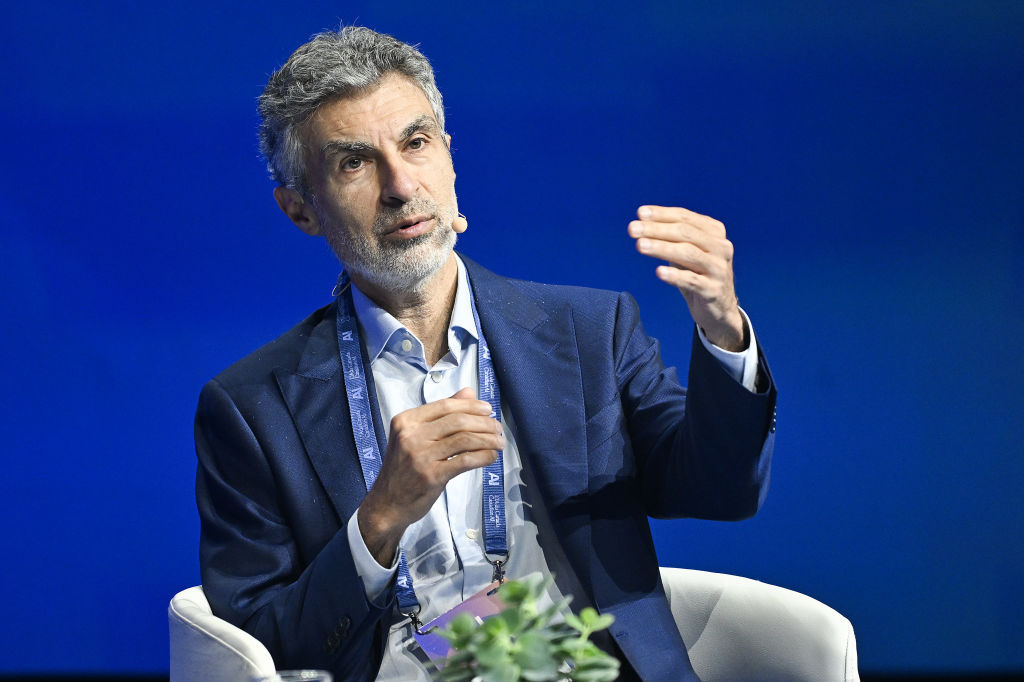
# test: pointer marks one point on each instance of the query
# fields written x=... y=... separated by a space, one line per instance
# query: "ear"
x=298 y=211
x=448 y=141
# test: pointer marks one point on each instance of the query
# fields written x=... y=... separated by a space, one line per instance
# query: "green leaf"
x=533 y=652
x=595 y=675
x=514 y=592
x=522 y=642
x=600 y=661
x=573 y=646
x=514 y=620
x=595 y=666
x=460 y=631
x=495 y=626
x=463 y=624
x=574 y=622
x=455 y=673
x=507 y=672
x=594 y=621
x=460 y=658
x=494 y=654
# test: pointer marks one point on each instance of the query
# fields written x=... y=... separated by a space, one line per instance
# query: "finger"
x=681 y=254
x=459 y=423
x=463 y=442
x=671 y=214
x=687 y=280
x=467 y=461
x=678 y=232
x=462 y=402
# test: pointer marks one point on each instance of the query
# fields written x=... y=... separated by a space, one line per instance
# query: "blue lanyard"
x=370 y=460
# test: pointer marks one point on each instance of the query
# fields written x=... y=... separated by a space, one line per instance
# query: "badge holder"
x=481 y=606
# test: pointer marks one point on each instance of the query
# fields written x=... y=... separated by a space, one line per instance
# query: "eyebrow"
x=422 y=123
x=337 y=147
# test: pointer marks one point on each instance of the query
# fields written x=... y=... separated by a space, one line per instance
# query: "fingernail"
x=643 y=244
x=644 y=212
x=636 y=229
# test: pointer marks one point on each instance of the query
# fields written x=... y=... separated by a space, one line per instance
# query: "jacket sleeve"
x=702 y=452
x=309 y=611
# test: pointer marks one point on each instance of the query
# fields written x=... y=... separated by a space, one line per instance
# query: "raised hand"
x=699 y=264
x=428 y=446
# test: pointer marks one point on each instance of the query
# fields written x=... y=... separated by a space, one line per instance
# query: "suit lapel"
x=318 y=404
x=537 y=364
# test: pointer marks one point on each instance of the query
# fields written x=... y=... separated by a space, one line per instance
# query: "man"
x=344 y=469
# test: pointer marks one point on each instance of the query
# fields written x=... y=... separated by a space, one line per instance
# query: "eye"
x=351 y=163
x=417 y=143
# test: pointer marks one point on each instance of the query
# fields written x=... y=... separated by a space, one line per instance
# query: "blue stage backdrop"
x=866 y=159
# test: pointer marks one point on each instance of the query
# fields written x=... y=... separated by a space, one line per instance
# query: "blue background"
x=865 y=158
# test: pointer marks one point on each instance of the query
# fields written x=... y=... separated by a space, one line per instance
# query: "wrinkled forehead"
x=388 y=106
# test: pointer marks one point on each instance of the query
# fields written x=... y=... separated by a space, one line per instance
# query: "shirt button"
x=406 y=345
x=472 y=533
x=435 y=377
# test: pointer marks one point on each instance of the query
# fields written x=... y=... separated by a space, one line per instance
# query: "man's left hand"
x=699 y=264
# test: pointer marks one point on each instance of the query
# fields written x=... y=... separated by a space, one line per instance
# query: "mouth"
x=410 y=227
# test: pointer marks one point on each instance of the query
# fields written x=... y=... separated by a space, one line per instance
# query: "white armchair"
x=204 y=647
x=740 y=629
x=734 y=629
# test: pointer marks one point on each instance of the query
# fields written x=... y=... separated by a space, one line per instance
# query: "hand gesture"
x=699 y=264
x=428 y=446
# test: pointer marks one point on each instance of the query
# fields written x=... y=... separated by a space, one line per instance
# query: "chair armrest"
x=740 y=629
x=204 y=647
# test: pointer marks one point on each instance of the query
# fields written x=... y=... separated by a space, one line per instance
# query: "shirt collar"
x=380 y=329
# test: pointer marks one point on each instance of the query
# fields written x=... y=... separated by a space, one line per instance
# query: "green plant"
x=522 y=642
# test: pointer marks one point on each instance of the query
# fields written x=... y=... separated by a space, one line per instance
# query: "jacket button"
x=343 y=626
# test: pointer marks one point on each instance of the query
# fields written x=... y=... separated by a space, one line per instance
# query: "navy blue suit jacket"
x=606 y=432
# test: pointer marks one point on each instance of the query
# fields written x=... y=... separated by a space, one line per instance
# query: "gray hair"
x=333 y=64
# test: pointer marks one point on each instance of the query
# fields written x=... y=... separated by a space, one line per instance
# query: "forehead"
x=373 y=115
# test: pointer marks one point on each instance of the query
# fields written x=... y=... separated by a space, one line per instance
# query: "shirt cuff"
x=375 y=577
x=742 y=365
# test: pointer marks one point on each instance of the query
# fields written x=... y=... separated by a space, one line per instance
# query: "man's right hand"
x=428 y=446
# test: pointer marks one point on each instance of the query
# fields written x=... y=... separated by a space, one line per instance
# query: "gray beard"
x=405 y=265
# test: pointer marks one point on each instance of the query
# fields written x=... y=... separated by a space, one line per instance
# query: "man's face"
x=383 y=185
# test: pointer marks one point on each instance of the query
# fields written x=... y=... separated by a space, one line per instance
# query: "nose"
x=399 y=183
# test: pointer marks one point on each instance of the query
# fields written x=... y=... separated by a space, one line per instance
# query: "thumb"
x=465 y=394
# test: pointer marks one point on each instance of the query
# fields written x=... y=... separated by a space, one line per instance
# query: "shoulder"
x=552 y=298
x=285 y=352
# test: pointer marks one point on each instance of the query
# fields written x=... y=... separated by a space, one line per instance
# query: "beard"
x=397 y=265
